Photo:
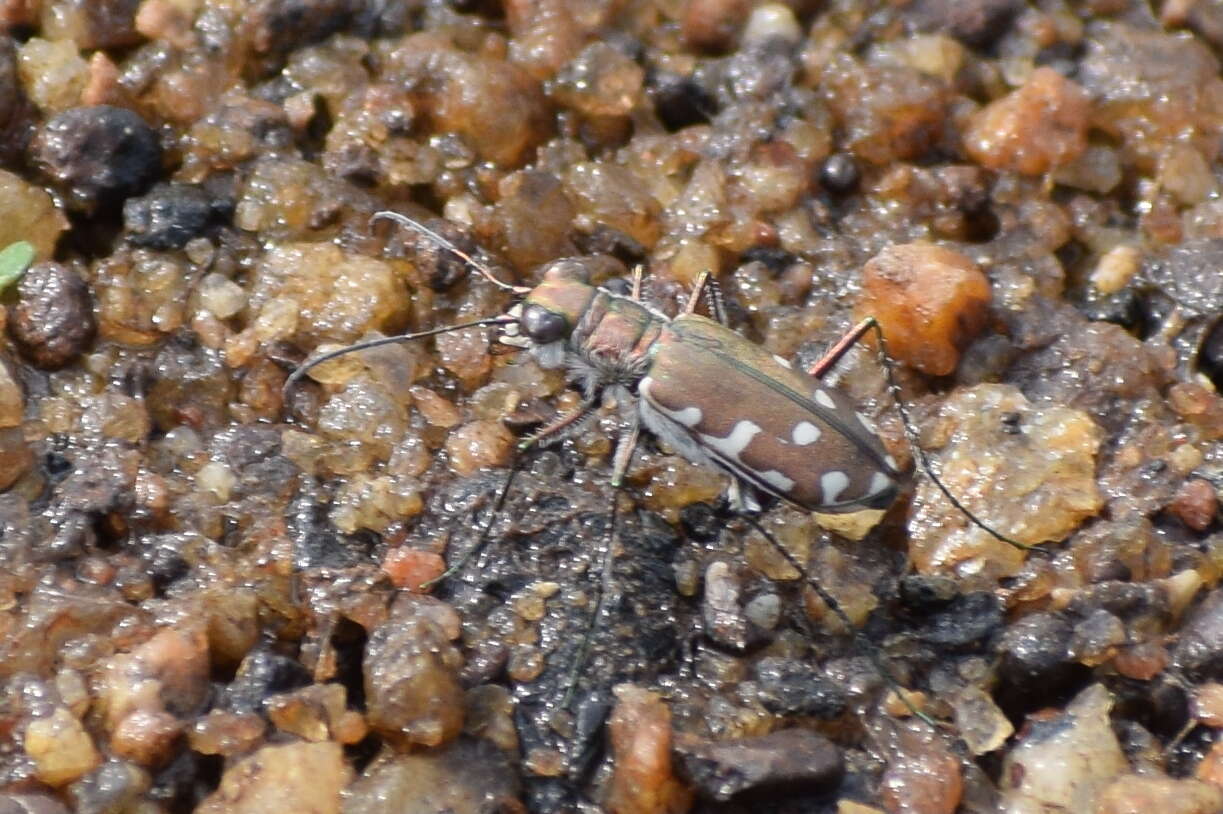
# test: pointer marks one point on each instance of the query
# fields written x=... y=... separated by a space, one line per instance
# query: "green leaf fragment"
x=14 y=260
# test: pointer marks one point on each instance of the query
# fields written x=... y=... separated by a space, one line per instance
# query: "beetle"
x=690 y=378
x=714 y=397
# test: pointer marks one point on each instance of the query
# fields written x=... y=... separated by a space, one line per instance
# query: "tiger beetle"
x=711 y=395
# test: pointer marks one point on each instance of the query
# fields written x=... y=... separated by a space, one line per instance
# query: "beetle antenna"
x=889 y=369
x=872 y=650
x=305 y=367
x=417 y=226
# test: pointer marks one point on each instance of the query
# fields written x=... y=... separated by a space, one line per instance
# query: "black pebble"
x=98 y=155
x=839 y=173
x=172 y=214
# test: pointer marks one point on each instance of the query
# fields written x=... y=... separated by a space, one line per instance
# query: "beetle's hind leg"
x=625 y=447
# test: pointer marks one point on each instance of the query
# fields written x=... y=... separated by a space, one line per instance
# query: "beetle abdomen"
x=749 y=413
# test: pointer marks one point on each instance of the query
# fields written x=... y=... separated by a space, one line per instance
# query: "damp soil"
x=217 y=596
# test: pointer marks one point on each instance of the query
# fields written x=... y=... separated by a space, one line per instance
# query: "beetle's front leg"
x=558 y=427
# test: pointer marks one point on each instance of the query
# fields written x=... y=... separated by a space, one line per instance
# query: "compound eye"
x=541 y=325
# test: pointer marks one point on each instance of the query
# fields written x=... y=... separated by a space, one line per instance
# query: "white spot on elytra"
x=688 y=417
x=879 y=483
x=777 y=480
x=833 y=483
x=781 y=360
x=805 y=433
x=891 y=462
x=824 y=400
x=733 y=444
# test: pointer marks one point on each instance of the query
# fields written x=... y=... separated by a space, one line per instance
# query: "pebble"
x=792 y=687
x=262 y=673
x=338 y=296
x=53 y=74
x=1199 y=651
x=469 y=777
x=1035 y=484
x=146 y=737
x=479 y=444
x=793 y=759
x=1036 y=661
x=316 y=713
x=887 y=113
x=643 y=779
x=28 y=212
x=923 y=777
x=226 y=733
x=723 y=617
x=599 y=81
x=60 y=747
x=494 y=105
x=713 y=24
x=410 y=568
x=1034 y=129
x=839 y=174
x=1196 y=504
x=169 y=216
x=771 y=22
x=300 y=777
x=1116 y=268
x=412 y=690
x=1066 y=762
x=1139 y=794
x=929 y=300
x=52 y=321
x=981 y=724
x=167 y=673
x=98 y=155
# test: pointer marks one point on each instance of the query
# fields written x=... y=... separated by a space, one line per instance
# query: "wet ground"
x=211 y=599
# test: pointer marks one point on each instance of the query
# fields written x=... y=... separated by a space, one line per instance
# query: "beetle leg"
x=871 y=649
x=624 y=452
x=695 y=297
x=482 y=540
x=742 y=498
x=560 y=425
x=717 y=304
x=638 y=276
x=607 y=556
x=834 y=354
